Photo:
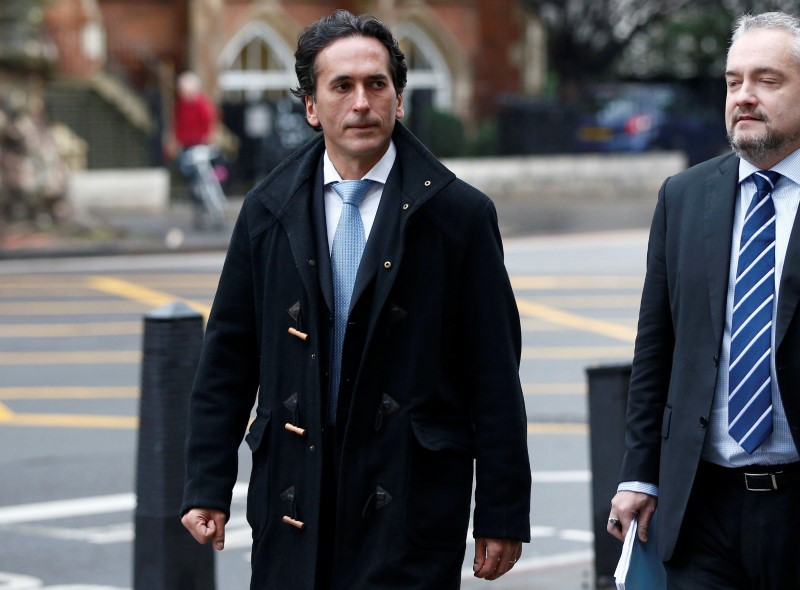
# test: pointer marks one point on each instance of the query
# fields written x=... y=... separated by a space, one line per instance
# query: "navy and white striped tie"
x=346 y=250
x=749 y=387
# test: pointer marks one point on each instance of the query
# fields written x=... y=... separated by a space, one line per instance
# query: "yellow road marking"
x=134 y=292
x=81 y=357
x=69 y=420
x=8 y=418
x=571 y=320
x=56 y=290
x=5 y=413
x=28 y=393
x=61 y=308
x=545 y=282
x=70 y=330
x=99 y=357
x=557 y=428
x=48 y=282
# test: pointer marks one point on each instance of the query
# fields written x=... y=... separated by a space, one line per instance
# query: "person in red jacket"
x=195 y=114
x=194 y=124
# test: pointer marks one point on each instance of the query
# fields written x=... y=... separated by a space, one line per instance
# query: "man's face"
x=762 y=109
x=355 y=103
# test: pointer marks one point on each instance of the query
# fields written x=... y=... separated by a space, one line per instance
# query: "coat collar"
x=288 y=193
x=421 y=172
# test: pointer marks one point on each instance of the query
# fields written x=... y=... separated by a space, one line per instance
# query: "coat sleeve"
x=225 y=384
x=492 y=351
x=652 y=359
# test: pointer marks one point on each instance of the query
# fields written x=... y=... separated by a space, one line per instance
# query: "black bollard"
x=608 y=402
x=166 y=557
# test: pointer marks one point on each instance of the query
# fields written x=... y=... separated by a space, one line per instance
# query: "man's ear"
x=311 y=111
x=400 y=111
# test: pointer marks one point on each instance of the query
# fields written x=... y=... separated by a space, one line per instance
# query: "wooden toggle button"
x=301 y=335
x=296 y=429
x=295 y=523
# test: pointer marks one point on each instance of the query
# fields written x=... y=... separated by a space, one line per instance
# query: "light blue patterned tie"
x=348 y=246
x=749 y=387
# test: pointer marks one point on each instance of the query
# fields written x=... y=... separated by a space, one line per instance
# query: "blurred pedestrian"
x=381 y=378
x=195 y=115
x=194 y=126
x=714 y=404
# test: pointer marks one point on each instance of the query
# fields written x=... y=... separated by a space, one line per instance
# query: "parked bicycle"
x=197 y=164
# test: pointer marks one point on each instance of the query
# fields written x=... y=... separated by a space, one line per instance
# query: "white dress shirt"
x=369 y=206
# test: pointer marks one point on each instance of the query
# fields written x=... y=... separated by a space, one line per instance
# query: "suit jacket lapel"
x=720 y=194
x=789 y=290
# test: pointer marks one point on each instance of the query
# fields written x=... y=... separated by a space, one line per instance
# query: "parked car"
x=638 y=117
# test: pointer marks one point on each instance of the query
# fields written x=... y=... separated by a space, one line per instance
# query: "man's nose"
x=746 y=94
x=360 y=99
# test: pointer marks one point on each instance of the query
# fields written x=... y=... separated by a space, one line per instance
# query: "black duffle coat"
x=430 y=384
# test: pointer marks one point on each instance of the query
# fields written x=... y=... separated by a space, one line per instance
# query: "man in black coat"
x=714 y=403
x=372 y=412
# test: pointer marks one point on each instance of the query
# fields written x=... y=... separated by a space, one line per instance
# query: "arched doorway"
x=430 y=82
x=256 y=72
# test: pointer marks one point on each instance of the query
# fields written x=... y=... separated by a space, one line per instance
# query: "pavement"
x=104 y=232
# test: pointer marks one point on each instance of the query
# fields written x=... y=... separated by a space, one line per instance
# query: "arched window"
x=256 y=63
x=427 y=70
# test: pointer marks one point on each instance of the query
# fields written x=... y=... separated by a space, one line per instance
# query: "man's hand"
x=494 y=557
x=206 y=524
x=627 y=505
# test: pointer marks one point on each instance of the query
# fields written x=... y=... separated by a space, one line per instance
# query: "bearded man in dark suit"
x=714 y=404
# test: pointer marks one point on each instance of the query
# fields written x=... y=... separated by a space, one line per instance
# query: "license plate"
x=595 y=133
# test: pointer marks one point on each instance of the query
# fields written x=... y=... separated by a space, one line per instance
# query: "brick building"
x=462 y=54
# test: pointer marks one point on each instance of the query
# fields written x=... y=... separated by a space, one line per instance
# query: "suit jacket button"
x=703 y=421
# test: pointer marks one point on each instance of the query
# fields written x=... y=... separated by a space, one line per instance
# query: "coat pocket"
x=439 y=484
x=257 y=440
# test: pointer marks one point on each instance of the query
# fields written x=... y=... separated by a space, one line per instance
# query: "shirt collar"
x=378 y=173
x=788 y=167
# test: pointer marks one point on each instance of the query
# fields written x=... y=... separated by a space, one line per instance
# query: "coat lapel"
x=382 y=235
x=789 y=292
x=720 y=202
x=321 y=234
x=290 y=197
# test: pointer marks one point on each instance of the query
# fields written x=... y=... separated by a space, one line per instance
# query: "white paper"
x=625 y=558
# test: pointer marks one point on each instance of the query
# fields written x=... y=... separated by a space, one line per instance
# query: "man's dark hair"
x=338 y=25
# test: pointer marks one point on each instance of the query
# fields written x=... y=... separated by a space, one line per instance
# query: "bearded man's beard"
x=761 y=147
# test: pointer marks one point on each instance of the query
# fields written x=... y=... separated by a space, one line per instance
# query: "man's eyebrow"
x=759 y=70
x=341 y=78
x=346 y=77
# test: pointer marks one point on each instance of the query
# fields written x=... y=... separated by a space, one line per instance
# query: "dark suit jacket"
x=430 y=382
x=681 y=323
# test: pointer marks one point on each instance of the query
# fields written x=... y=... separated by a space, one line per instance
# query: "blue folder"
x=645 y=570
